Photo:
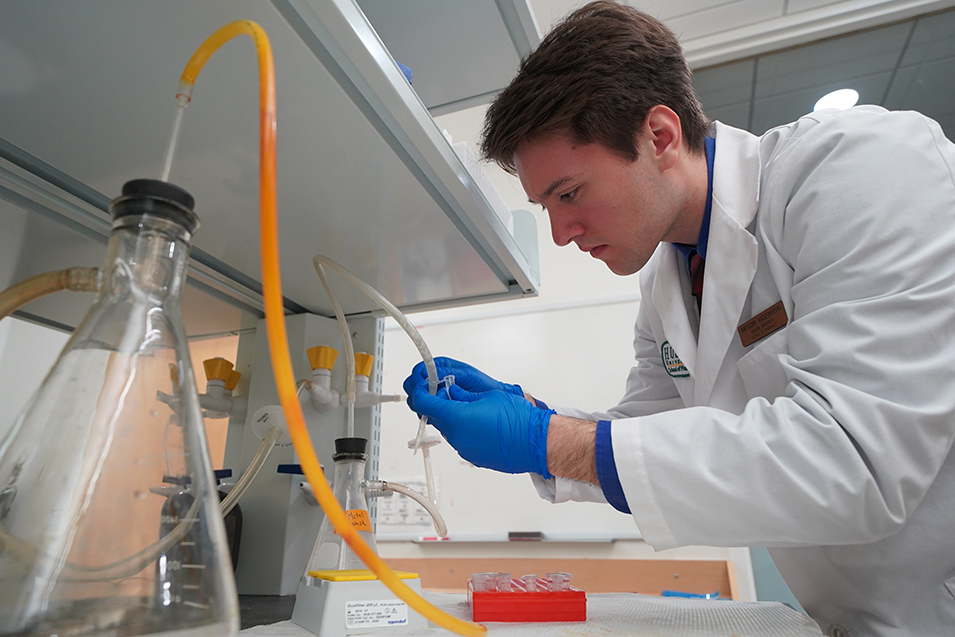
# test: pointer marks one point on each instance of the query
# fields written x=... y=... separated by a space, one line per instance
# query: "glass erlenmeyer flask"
x=331 y=552
x=110 y=522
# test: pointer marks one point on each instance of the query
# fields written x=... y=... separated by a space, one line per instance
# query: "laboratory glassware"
x=331 y=552
x=110 y=521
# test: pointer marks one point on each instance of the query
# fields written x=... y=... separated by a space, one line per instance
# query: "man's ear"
x=663 y=135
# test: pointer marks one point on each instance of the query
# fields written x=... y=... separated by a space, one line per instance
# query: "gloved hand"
x=465 y=376
x=493 y=429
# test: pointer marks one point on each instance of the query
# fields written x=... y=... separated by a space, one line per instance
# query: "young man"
x=799 y=391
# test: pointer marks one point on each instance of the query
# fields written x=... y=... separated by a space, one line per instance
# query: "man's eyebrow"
x=550 y=190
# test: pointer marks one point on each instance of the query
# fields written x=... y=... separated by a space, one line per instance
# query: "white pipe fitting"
x=218 y=401
x=322 y=395
x=325 y=398
x=366 y=398
x=308 y=493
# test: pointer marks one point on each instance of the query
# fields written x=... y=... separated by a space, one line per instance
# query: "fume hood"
x=87 y=100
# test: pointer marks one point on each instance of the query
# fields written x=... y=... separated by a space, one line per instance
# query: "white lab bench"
x=611 y=614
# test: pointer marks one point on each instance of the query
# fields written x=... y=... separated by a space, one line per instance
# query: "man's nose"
x=563 y=227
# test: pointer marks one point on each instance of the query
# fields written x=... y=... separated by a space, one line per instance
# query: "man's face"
x=618 y=211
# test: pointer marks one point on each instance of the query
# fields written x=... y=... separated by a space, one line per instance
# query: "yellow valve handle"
x=363 y=363
x=275 y=321
x=217 y=368
x=232 y=380
x=322 y=357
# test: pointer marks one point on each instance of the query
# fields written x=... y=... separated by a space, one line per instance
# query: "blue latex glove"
x=465 y=376
x=494 y=429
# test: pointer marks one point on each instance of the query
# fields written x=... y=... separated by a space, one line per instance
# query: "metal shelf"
x=365 y=175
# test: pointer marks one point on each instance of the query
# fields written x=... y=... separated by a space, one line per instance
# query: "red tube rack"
x=520 y=605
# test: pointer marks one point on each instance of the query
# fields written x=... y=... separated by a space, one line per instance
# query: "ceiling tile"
x=733 y=114
x=665 y=9
x=928 y=89
x=797 y=6
x=831 y=62
x=722 y=85
x=785 y=107
x=549 y=12
x=726 y=92
x=933 y=39
x=724 y=17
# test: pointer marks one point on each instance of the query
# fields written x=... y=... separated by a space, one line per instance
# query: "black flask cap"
x=159 y=198
x=350 y=448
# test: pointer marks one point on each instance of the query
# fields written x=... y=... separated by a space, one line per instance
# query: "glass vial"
x=110 y=521
x=331 y=552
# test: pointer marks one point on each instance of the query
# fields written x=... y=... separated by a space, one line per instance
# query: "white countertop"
x=610 y=614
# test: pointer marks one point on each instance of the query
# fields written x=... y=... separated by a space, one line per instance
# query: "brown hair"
x=595 y=76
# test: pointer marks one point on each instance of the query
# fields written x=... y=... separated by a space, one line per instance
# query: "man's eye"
x=567 y=196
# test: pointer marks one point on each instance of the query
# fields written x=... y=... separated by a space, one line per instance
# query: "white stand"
x=337 y=608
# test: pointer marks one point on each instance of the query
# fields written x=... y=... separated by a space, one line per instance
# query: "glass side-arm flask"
x=331 y=552
x=89 y=543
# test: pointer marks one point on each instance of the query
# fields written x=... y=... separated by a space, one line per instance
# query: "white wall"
x=570 y=346
x=27 y=352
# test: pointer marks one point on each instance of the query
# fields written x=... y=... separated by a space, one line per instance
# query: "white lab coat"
x=829 y=440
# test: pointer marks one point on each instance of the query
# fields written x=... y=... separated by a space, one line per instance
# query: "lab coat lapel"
x=667 y=297
x=732 y=253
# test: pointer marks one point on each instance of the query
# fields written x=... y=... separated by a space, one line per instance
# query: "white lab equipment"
x=337 y=595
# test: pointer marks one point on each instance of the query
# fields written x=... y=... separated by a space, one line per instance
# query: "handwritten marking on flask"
x=359 y=519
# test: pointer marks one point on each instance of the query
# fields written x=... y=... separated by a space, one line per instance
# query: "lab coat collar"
x=730 y=265
x=667 y=296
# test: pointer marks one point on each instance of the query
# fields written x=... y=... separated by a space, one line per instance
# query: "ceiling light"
x=841 y=99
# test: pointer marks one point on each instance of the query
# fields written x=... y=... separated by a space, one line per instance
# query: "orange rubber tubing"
x=275 y=322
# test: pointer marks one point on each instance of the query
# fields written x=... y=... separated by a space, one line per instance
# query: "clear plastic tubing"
x=252 y=471
x=183 y=101
x=429 y=475
x=275 y=320
x=440 y=527
x=349 y=349
x=319 y=260
x=126 y=567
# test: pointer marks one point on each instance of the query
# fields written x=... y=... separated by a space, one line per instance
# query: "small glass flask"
x=111 y=521
x=331 y=552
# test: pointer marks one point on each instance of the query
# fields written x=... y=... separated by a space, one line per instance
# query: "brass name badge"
x=763 y=324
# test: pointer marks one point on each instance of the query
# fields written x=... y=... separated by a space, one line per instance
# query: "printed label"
x=369 y=614
x=763 y=324
x=672 y=362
